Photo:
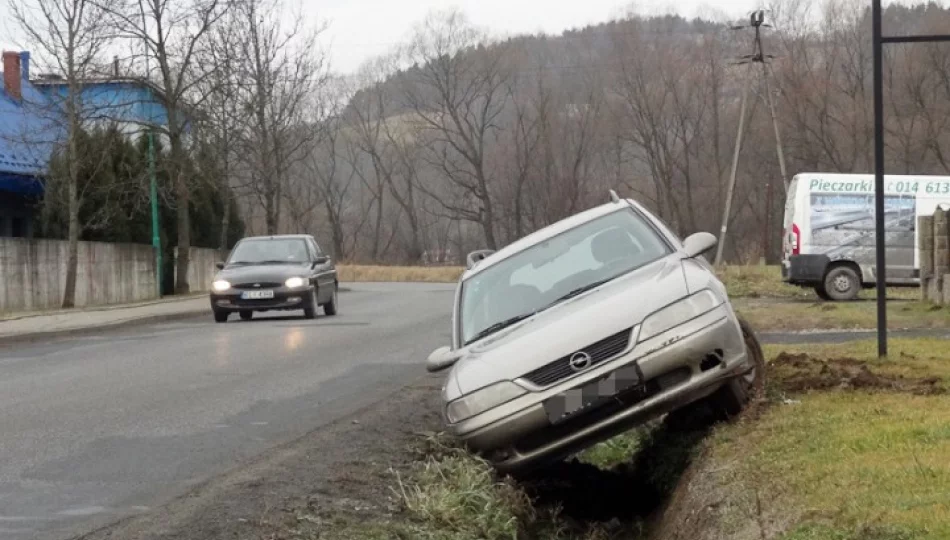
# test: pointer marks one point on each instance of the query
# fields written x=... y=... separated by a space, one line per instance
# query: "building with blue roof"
x=32 y=123
x=26 y=143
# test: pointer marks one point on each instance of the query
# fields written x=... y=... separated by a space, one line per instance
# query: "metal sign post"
x=879 y=272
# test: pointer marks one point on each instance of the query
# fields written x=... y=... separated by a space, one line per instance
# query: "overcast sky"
x=361 y=29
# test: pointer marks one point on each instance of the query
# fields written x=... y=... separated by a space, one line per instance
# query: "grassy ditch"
x=845 y=447
x=852 y=447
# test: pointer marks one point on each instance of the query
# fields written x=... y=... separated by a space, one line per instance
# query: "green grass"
x=449 y=494
x=766 y=282
x=852 y=464
x=616 y=450
x=797 y=316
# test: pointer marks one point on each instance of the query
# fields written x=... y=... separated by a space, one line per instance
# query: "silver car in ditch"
x=584 y=329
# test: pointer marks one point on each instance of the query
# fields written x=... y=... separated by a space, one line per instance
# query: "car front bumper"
x=284 y=298
x=674 y=368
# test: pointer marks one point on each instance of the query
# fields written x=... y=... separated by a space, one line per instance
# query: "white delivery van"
x=829 y=235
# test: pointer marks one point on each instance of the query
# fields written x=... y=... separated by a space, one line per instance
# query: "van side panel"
x=837 y=213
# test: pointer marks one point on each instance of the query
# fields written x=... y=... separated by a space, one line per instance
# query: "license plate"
x=257 y=295
x=592 y=394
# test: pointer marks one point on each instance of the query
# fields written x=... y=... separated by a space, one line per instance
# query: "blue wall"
x=121 y=101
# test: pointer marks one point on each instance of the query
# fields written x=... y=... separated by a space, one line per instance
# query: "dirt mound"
x=796 y=373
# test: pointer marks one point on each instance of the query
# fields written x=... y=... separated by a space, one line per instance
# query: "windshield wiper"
x=499 y=326
x=580 y=290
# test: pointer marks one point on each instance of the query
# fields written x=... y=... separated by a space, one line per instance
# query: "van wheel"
x=821 y=292
x=842 y=283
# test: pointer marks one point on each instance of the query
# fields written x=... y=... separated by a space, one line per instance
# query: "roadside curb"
x=33 y=337
x=108 y=307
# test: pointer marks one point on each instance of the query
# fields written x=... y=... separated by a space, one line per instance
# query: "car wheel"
x=221 y=316
x=821 y=292
x=842 y=283
x=330 y=307
x=247 y=315
x=310 y=311
x=733 y=396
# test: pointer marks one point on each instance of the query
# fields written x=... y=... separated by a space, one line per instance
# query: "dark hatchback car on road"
x=265 y=273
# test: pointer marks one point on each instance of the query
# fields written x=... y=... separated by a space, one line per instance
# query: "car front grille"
x=255 y=285
x=599 y=351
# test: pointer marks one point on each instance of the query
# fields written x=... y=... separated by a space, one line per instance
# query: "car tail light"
x=796 y=240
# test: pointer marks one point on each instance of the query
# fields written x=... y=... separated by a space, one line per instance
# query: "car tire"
x=733 y=396
x=821 y=292
x=842 y=283
x=221 y=316
x=330 y=307
x=310 y=311
x=247 y=315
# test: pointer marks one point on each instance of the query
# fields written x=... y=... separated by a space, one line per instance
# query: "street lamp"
x=879 y=272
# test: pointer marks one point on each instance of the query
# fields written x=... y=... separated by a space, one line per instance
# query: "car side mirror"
x=441 y=358
x=699 y=243
x=219 y=265
x=321 y=259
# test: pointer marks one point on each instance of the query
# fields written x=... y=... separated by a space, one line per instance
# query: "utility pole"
x=153 y=185
x=153 y=191
x=758 y=56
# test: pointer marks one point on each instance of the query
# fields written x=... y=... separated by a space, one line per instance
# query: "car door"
x=324 y=274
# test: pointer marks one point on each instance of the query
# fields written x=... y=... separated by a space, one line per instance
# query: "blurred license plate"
x=592 y=394
x=257 y=295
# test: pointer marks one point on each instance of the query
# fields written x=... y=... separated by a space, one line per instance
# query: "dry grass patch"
x=766 y=282
x=410 y=274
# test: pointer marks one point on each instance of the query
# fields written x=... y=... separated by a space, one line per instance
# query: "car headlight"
x=294 y=282
x=480 y=401
x=221 y=285
x=678 y=313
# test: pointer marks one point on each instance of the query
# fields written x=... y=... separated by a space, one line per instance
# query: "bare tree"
x=458 y=94
x=277 y=70
x=389 y=142
x=173 y=33
x=71 y=35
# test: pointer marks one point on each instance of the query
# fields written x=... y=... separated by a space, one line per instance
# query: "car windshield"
x=563 y=266
x=270 y=251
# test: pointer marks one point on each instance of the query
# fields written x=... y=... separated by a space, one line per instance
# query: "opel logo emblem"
x=579 y=361
x=257 y=284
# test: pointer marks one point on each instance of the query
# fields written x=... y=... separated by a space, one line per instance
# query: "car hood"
x=262 y=273
x=571 y=325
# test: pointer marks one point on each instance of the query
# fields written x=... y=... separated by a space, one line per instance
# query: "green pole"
x=156 y=236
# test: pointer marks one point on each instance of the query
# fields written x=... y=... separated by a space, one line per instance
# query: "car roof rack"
x=476 y=257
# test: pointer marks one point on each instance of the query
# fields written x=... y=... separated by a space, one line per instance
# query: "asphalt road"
x=100 y=427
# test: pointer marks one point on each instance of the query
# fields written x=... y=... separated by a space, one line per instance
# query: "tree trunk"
x=72 y=260
x=225 y=221
x=183 y=196
x=270 y=207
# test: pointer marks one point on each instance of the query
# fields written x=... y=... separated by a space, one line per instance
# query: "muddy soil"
x=796 y=373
